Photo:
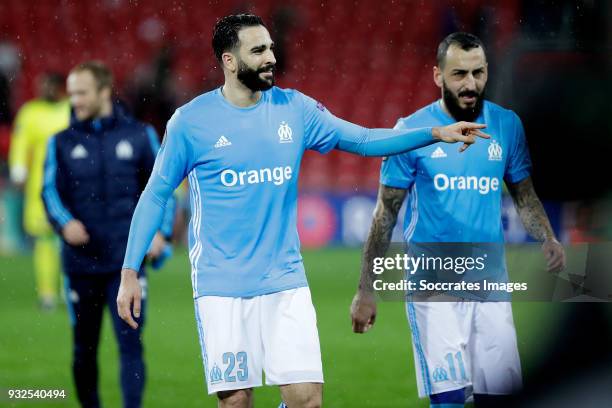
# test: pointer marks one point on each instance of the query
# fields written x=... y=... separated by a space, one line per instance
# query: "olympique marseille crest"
x=440 y=375
x=285 y=134
x=215 y=375
x=495 y=151
x=124 y=150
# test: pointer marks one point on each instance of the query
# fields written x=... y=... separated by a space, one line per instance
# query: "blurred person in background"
x=464 y=347
x=94 y=173
x=36 y=122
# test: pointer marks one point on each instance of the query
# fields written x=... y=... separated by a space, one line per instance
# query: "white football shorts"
x=242 y=337
x=464 y=344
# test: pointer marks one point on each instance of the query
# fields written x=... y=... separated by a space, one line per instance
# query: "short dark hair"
x=225 y=33
x=101 y=73
x=466 y=41
x=53 y=78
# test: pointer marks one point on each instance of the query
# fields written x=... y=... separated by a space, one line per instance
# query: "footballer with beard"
x=467 y=346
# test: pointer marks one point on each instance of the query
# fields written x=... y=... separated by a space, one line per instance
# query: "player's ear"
x=437 y=76
x=229 y=61
x=106 y=92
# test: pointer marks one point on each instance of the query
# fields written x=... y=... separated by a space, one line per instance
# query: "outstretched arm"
x=363 y=308
x=536 y=222
x=323 y=131
x=385 y=142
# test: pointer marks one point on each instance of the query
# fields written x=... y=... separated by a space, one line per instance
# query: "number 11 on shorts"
x=451 y=365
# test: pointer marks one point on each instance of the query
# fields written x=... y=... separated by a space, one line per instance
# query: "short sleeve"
x=399 y=170
x=320 y=126
x=518 y=165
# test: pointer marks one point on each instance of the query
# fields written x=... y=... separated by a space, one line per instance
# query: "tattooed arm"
x=363 y=308
x=536 y=222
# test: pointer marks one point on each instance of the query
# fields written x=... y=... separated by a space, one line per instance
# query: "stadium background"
x=369 y=62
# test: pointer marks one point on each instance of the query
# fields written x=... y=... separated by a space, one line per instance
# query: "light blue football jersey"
x=457 y=197
x=243 y=166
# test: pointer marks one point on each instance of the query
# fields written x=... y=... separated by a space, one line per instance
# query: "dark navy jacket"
x=95 y=172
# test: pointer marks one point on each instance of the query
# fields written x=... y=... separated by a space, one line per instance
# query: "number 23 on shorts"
x=236 y=366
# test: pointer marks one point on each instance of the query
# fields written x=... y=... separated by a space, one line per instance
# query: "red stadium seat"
x=368 y=61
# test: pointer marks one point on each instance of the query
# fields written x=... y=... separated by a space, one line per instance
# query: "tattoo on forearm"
x=530 y=209
x=385 y=216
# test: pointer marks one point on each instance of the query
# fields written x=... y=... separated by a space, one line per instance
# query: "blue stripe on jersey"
x=69 y=305
x=56 y=209
x=153 y=140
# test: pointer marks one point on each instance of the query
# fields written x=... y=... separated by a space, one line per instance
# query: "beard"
x=251 y=79
x=468 y=114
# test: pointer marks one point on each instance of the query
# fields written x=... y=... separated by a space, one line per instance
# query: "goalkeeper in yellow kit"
x=36 y=122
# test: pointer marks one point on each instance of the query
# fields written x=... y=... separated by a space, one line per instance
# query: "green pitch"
x=371 y=370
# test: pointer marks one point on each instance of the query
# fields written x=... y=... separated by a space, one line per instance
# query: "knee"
x=302 y=395
x=130 y=348
x=235 y=398
x=129 y=342
x=311 y=400
x=84 y=352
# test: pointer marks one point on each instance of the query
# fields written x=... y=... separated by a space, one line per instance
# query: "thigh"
x=242 y=398
x=302 y=394
x=495 y=358
x=126 y=336
x=230 y=341
x=86 y=298
x=290 y=338
x=440 y=335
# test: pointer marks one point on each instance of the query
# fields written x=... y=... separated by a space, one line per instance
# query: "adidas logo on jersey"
x=78 y=152
x=438 y=153
x=222 y=142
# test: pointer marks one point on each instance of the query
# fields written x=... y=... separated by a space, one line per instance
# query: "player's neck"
x=239 y=95
x=445 y=109
x=105 y=111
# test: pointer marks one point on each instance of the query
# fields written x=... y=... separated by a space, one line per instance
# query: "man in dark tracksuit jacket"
x=94 y=173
